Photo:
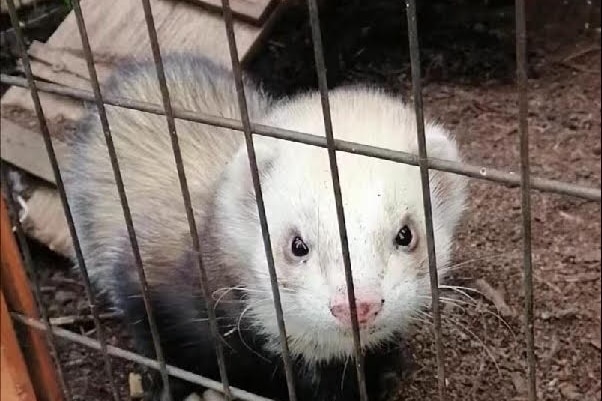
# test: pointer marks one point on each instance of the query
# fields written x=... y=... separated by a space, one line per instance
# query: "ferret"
x=382 y=204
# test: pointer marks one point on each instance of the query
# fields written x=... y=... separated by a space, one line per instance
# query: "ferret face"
x=386 y=236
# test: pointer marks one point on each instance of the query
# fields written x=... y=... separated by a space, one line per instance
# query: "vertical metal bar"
x=61 y=188
x=121 y=190
x=265 y=232
x=521 y=75
x=171 y=125
x=426 y=191
x=35 y=283
x=334 y=170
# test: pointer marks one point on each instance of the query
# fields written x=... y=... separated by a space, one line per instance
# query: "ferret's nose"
x=367 y=310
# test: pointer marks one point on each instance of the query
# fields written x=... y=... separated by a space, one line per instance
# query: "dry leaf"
x=495 y=296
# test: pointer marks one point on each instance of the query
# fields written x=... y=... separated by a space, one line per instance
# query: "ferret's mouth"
x=364 y=330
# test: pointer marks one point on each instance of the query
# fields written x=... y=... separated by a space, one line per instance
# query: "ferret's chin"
x=370 y=337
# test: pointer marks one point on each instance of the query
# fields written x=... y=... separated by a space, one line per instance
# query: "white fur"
x=194 y=397
x=378 y=196
x=208 y=395
x=212 y=395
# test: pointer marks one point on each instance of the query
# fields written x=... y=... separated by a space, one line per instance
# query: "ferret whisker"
x=206 y=319
x=457 y=303
x=226 y=290
x=344 y=371
x=244 y=289
x=496 y=315
x=218 y=300
x=455 y=324
x=240 y=336
x=423 y=315
x=451 y=301
x=461 y=304
x=456 y=266
x=503 y=321
x=461 y=290
x=463 y=328
x=420 y=320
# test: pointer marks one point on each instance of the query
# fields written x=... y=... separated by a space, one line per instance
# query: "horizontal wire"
x=134 y=357
x=470 y=170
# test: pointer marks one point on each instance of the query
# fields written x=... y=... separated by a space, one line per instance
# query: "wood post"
x=16 y=385
x=17 y=296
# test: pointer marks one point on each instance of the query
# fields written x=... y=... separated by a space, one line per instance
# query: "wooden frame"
x=29 y=371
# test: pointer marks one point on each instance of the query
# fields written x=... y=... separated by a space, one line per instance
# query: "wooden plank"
x=253 y=11
x=16 y=384
x=16 y=289
x=47 y=73
x=181 y=26
x=61 y=60
x=55 y=107
x=117 y=35
x=25 y=149
x=122 y=33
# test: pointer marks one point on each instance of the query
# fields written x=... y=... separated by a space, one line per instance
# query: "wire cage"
x=249 y=129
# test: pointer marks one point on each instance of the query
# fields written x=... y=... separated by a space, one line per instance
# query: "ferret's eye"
x=298 y=247
x=404 y=237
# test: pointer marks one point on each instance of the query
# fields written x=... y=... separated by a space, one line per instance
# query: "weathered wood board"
x=23 y=147
x=116 y=34
x=40 y=374
x=180 y=26
x=253 y=11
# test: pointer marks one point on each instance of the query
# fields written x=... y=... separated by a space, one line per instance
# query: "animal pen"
x=46 y=381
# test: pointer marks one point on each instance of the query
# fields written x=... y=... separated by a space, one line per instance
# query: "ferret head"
x=384 y=217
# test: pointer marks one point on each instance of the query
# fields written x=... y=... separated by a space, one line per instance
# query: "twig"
x=580 y=53
x=578 y=68
x=72 y=319
x=494 y=296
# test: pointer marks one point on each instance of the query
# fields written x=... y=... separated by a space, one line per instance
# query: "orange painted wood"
x=16 y=288
x=15 y=383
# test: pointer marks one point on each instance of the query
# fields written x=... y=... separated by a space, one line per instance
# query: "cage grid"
x=524 y=180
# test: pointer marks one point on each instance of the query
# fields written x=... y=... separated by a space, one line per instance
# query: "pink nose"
x=367 y=310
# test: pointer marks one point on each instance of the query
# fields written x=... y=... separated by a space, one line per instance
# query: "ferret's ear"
x=265 y=156
x=440 y=144
x=448 y=190
x=238 y=173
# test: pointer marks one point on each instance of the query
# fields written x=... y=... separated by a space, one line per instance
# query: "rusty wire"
x=525 y=173
x=263 y=221
x=426 y=191
x=338 y=197
x=61 y=189
x=102 y=114
x=134 y=357
x=485 y=173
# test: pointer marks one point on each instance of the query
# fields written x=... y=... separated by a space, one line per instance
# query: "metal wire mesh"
x=249 y=129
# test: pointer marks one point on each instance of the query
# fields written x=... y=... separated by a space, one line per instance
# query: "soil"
x=483 y=331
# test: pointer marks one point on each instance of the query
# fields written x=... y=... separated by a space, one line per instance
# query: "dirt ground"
x=483 y=326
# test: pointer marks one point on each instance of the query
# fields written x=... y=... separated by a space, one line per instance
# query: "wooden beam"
x=181 y=27
x=25 y=149
x=15 y=287
x=16 y=384
x=252 y=11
